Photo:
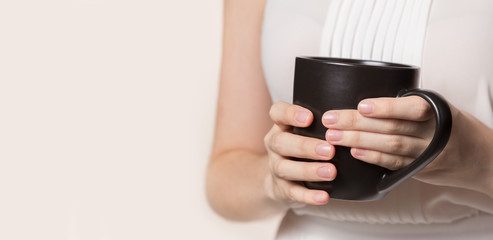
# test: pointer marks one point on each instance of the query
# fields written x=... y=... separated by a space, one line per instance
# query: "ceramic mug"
x=322 y=84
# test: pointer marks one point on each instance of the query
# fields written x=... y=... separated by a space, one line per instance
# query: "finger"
x=412 y=108
x=295 y=193
x=292 y=145
x=286 y=115
x=303 y=171
x=353 y=120
x=389 y=161
x=392 y=144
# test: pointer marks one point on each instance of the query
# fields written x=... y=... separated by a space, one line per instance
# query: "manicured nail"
x=323 y=149
x=302 y=116
x=334 y=135
x=320 y=197
x=324 y=172
x=330 y=118
x=365 y=107
x=359 y=152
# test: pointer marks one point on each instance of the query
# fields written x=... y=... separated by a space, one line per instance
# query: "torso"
x=456 y=60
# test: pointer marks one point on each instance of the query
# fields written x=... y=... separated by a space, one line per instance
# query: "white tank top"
x=449 y=39
x=386 y=30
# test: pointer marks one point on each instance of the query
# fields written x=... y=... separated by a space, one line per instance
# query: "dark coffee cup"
x=322 y=84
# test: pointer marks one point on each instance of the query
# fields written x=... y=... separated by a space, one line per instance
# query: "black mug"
x=322 y=84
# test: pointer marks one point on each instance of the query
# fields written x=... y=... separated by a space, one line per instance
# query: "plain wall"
x=106 y=120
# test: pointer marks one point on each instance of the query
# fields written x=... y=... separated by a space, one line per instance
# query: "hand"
x=392 y=132
x=281 y=184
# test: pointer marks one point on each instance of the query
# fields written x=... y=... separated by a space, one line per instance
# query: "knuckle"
x=271 y=187
x=377 y=159
x=386 y=106
x=423 y=110
x=304 y=146
x=291 y=111
x=272 y=166
x=392 y=126
x=307 y=197
x=397 y=164
x=275 y=142
x=277 y=112
x=273 y=110
x=279 y=169
x=276 y=192
x=278 y=189
x=268 y=137
x=349 y=119
x=291 y=193
x=267 y=141
x=307 y=172
x=394 y=144
x=354 y=118
x=355 y=138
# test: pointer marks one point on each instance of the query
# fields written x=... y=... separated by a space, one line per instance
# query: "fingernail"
x=330 y=118
x=365 y=107
x=359 y=152
x=302 y=116
x=323 y=172
x=323 y=149
x=334 y=135
x=320 y=197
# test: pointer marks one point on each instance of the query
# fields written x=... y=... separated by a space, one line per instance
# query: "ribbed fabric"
x=384 y=30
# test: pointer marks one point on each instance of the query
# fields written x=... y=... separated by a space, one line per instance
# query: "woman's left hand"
x=392 y=132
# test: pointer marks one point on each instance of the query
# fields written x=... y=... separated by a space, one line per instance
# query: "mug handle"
x=443 y=126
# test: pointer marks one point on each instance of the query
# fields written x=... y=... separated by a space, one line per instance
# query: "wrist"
x=486 y=164
x=477 y=151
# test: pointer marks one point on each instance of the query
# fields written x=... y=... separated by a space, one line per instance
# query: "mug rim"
x=353 y=62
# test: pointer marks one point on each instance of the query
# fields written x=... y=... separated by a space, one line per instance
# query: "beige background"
x=106 y=120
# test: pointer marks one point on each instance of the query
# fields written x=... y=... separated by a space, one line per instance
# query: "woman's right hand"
x=282 y=184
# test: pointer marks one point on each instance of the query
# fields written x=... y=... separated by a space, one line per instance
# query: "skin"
x=249 y=174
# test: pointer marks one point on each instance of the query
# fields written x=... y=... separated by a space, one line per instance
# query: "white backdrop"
x=106 y=120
